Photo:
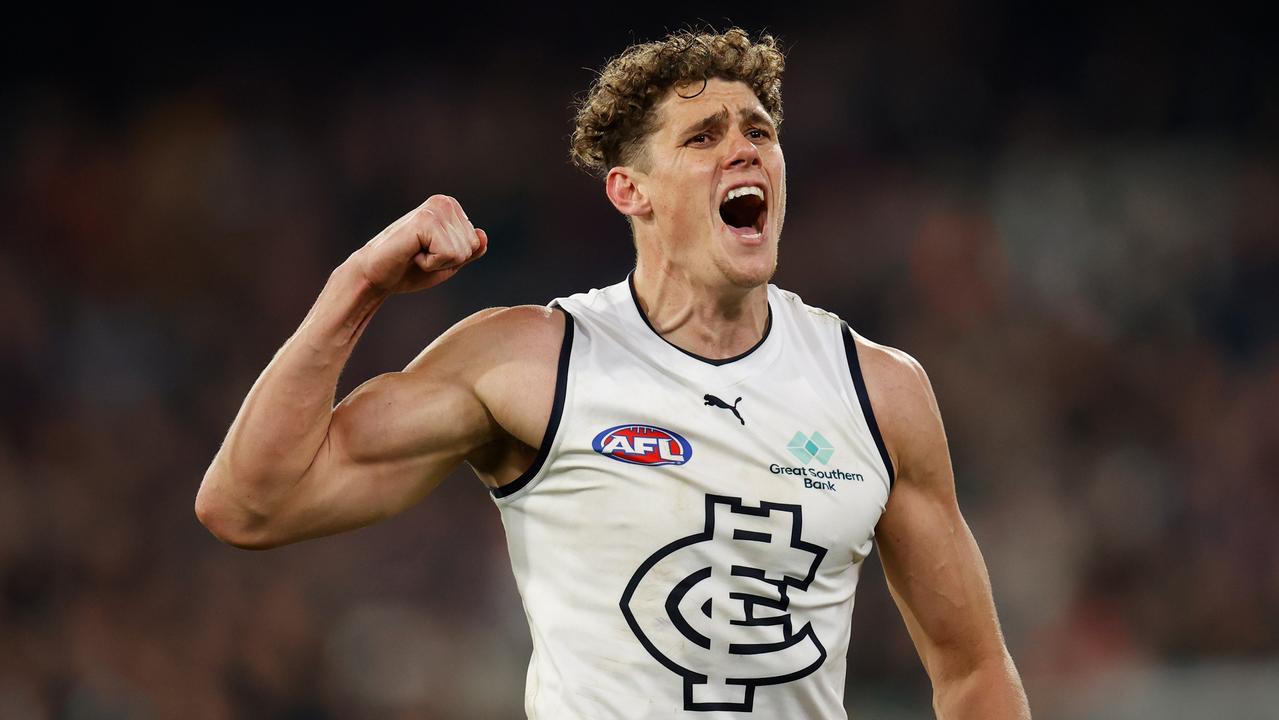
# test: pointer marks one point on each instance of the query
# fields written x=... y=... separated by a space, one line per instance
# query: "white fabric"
x=617 y=563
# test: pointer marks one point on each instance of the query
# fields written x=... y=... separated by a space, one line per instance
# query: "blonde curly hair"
x=617 y=113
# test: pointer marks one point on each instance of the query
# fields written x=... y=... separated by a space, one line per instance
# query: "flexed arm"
x=293 y=466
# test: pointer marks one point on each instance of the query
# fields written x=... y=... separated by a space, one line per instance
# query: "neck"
x=712 y=321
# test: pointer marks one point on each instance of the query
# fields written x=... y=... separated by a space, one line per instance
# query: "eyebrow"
x=721 y=117
x=754 y=115
x=707 y=122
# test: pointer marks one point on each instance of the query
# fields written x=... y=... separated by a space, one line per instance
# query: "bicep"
x=934 y=569
x=938 y=579
x=389 y=443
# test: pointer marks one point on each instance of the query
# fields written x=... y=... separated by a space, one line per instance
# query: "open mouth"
x=743 y=211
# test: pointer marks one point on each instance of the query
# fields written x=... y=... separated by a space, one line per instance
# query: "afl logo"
x=643 y=445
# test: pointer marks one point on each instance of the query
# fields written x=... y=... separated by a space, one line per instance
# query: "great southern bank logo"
x=812 y=447
x=715 y=607
x=807 y=448
x=643 y=445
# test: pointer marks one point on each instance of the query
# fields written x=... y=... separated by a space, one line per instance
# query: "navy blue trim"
x=557 y=410
x=768 y=326
x=859 y=382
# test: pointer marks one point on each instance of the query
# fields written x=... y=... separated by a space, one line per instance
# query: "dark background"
x=1069 y=215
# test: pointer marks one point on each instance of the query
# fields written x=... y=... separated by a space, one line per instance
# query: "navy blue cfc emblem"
x=714 y=607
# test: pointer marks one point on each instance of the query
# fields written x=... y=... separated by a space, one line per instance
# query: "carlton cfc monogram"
x=732 y=599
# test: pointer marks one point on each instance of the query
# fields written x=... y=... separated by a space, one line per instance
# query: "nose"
x=742 y=152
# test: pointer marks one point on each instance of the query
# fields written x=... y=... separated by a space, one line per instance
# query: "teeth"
x=743 y=191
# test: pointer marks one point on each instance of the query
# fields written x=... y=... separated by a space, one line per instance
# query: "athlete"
x=690 y=465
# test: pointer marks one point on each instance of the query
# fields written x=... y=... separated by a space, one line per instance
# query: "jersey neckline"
x=768 y=328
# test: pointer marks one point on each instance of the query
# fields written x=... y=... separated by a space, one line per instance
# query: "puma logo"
x=716 y=402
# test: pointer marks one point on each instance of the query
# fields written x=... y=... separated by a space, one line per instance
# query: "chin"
x=751 y=274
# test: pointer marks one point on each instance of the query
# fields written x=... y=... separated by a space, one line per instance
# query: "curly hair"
x=617 y=113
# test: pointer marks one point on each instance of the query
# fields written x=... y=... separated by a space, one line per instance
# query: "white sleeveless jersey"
x=688 y=540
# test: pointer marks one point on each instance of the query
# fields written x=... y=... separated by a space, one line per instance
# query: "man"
x=690 y=465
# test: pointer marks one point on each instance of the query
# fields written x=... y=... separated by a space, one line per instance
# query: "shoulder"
x=502 y=362
x=892 y=371
x=904 y=403
x=495 y=337
x=518 y=323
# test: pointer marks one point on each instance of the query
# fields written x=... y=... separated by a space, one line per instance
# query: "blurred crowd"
x=1073 y=225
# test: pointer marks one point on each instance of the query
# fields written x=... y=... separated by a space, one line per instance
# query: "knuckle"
x=424 y=215
x=438 y=217
x=442 y=203
x=437 y=205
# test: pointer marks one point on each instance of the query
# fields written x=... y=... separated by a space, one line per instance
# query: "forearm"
x=992 y=690
x=284 y=420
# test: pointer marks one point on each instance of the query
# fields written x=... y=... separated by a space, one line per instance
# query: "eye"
x=699 y=139
x=757 y=134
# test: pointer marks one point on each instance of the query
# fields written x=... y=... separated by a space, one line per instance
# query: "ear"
x=624 y=191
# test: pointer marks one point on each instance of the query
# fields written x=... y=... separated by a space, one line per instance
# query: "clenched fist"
x=422 y=249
